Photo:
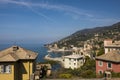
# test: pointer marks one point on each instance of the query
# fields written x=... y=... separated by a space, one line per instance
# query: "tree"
x=88 y=69
x=101 y=51
x=67 y=76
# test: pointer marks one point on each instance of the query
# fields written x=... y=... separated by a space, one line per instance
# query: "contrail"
x=49 y=6
x=28 y=5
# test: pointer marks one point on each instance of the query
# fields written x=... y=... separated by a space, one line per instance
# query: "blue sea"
x=38 y=48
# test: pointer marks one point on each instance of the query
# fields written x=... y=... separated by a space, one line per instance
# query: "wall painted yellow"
x=8 y=76
x=27 y=70
x=20 y=70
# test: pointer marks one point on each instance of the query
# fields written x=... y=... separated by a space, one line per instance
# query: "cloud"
x=62 y=8
x=75 y=13
x=26 y=4
x=57 y=7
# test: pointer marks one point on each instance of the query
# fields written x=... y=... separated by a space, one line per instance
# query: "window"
x=74 y=63
x=81 y=53
x=1 y=69
x=5 y=68
x=100 y=72
x=69 y=59
x=109 y=65
x=74 y=59
x=100 y=63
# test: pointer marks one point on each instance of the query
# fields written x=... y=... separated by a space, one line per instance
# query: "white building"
x=109 y=45
x=73 y=61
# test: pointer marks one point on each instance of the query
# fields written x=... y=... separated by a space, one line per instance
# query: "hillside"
x=78 y=38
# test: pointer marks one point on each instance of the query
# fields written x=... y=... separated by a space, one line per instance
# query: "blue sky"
x=44 y=21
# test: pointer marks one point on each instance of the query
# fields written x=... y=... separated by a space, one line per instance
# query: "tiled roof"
x=113 y=56
x=15 y=53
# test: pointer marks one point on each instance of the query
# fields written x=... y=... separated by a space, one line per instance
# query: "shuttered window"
x=100 y=63
x=5 y=68
x=1 y=68
x=109 y=65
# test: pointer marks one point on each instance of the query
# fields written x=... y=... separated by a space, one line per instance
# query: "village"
x=106 y=63
x=17 y=63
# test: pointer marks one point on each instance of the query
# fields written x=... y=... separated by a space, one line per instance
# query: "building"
x=87 y=46
x=109 y=45
x=16 y=63
x=42 y=70
x=73 y=61
x=107 y=63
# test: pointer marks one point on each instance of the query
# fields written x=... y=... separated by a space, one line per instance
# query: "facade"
x=42 y=70
x=109 y=45
x=73 y=61
x=107 y=63
x=16 y=63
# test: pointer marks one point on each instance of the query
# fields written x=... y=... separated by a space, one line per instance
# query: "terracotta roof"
x=15 y=53
x=113 y=56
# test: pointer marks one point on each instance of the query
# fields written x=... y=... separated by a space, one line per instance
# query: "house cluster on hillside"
x=107 y=63
x=17 y=63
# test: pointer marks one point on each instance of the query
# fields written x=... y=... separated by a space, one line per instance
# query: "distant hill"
x=79 y=37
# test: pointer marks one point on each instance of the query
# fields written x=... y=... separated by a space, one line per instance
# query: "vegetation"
x=116 y=75
x=101 y=51
x=86 y=71
x=65 y=76
x=44 y=70
x=79 y=37
x=50 y=62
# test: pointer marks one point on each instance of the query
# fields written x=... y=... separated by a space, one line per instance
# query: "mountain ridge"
x=105 y=32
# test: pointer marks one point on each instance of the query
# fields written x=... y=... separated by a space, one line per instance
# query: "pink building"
x=108 y=62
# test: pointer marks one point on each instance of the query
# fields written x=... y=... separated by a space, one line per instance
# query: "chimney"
x=15 y=48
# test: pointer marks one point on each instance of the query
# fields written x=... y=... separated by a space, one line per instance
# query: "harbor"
x=48 y=57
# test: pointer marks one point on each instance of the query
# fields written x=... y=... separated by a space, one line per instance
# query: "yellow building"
x=17 y=63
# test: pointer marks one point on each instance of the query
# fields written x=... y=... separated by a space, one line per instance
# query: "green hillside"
x=78 y=38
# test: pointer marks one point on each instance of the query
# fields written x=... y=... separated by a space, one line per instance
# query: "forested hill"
x=79 y=37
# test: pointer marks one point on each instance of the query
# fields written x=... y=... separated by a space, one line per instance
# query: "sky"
x=46 y=21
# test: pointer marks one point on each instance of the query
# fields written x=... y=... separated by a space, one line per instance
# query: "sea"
x=38 y=48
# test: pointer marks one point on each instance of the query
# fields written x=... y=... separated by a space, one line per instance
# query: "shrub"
x=66 y=76
x=116 y=75
x=88 y=74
